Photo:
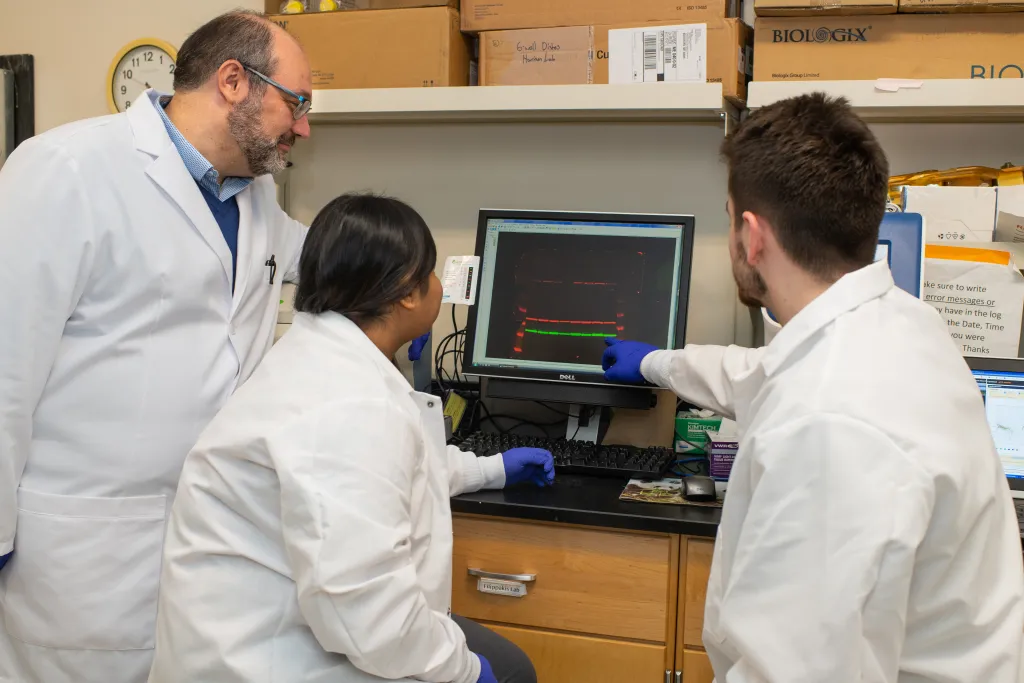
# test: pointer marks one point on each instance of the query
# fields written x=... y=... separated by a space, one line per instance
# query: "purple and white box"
x=721 y=453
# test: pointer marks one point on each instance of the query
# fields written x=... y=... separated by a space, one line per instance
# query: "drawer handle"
x=521 y=578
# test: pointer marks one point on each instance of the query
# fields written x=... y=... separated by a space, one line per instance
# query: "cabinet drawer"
x=588 y=581
x=697 y=567
x=697 y=667
x=564 y=658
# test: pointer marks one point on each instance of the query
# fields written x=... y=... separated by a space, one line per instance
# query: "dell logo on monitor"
x=568 y=378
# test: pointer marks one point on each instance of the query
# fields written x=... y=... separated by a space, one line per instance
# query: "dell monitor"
x=1001 y=381
x=553 y=286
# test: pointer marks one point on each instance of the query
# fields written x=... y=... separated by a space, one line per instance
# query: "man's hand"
x=622 y=359
x=528 y=464
x=416 y=348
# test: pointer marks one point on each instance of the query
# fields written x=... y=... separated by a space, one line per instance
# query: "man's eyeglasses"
x=298 y=110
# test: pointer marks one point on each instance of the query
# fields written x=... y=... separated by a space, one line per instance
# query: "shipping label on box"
x=674 y=54
x=540 y=56
x=953 y=214
x=918 y=46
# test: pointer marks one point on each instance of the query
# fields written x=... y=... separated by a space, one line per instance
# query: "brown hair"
x=815 y=171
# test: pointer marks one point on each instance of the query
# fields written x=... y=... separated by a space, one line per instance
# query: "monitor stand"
x=586 y=401
x=584 y=423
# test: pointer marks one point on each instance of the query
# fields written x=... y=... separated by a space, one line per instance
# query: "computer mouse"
x=699 y=489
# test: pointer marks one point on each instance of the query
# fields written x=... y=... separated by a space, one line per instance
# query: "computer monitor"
x=901 y=245
x=1001 y=381
x=553 y=286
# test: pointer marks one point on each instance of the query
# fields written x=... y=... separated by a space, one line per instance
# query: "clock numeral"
x=135 y=61
x=161 y=59
x=127 y=73
x=149 y=56
x=172 y=68
x=127 y=104
x=124 y=90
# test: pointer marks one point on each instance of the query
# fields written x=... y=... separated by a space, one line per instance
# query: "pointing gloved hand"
x=622 y=359
x=416 y=348
x=486 y=673
x=528 y=464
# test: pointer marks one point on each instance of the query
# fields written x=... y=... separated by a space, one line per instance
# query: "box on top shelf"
x=579 y=54
x=893 y=46
x=274 y=6
x=405 y=48
x=818 y=8
x=961 y=5
x=500 y=15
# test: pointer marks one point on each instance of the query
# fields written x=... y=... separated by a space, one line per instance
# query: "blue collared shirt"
x=198 y=167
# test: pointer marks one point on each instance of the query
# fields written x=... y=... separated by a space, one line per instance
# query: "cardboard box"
x=569 y=55
x=953 y=215
x=820 y=8
x=501 y=15
x=961 y=5
x=405 y=48
x=691 y=432
x=274 y=6
x=894 y=46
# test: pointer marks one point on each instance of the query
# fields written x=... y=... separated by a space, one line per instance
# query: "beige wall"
x=74 y=42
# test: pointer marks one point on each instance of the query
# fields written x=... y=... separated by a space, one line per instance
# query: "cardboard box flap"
x=498 y=15
x=961 y=5
x=766 y=8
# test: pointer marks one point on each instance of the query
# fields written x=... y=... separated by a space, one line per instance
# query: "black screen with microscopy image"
x=557 y=297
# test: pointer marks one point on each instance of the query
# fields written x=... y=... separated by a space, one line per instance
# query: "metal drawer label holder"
x=508 y=585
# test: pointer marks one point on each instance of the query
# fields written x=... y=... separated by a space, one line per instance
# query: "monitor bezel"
x=682 y=303
x=990 y=364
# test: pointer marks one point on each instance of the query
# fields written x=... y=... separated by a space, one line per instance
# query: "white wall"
x=449 y=171
x=74 y=43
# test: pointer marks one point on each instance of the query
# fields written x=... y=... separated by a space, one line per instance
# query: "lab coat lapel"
x=169 y=172
x=252 y=241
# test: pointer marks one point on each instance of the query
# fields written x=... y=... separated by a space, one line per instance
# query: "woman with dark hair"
x=311 y=536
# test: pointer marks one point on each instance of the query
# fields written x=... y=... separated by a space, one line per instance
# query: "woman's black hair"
x=364 y=253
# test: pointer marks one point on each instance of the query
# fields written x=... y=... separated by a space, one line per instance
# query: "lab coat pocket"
x=85 y=571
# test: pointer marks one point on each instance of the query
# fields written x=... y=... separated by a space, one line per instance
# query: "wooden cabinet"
x=605 y=605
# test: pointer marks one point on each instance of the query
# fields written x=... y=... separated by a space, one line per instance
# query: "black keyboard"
x=580 y=457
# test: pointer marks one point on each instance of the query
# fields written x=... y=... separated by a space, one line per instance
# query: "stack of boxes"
x=399 y=44
x=901 y=39
x=425 y=43
x=562 y=42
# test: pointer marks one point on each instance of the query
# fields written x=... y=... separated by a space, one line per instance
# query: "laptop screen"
x=1003 y=392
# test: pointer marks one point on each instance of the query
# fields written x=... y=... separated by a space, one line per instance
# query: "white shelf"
x=938 y=100
x=693 y=102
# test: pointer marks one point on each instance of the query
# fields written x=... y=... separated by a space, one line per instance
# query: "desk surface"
x=591 y=501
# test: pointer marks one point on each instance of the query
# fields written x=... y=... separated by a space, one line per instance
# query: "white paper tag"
x=980 y=302
x=1009 y=228
x=671 y=54
x=511 y=589
x=459 y=280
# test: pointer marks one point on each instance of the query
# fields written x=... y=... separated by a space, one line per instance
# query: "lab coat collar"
x=849 y=292
x=169 y=172
x=347 y=333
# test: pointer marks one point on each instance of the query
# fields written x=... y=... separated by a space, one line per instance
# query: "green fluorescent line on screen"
x=570 y=334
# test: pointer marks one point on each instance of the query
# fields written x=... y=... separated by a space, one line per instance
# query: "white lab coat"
x=121 y=340
x=311 y=537
x=868 y=533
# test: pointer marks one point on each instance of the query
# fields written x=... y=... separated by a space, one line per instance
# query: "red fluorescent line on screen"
x=572 y=322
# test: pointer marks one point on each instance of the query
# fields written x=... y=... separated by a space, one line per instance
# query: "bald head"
x=242 y=35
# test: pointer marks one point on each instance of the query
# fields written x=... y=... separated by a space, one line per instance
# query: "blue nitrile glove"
x=622 y=359
x=416 y=348
x=528 y=464
x=486 y=673
x=4 y=558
